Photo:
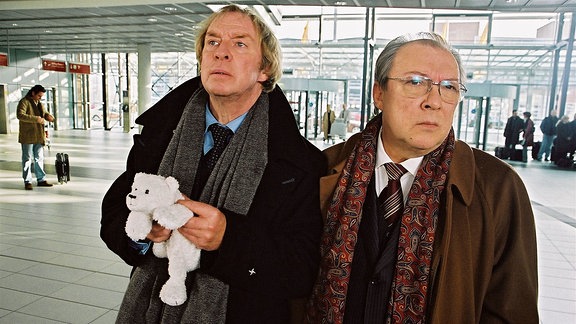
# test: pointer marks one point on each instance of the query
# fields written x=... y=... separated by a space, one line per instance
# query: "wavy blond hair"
x=269 y=44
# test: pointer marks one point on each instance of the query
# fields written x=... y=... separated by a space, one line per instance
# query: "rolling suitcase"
x=502 y=152
x=516 y=154
x=62 y=167
x=535 y=149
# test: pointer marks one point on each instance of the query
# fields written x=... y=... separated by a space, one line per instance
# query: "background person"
x=563 y=141
x=345 y=114
x=31 y=116
x=514 y=126
x=548 y=128
x=527 y=136
x=327 y=121
x=573 y=141
x=257 y=218
x=463 y=249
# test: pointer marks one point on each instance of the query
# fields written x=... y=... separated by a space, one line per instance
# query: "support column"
x=566 y=76
x=144 y=77
x=4 y=114
x=552 y=102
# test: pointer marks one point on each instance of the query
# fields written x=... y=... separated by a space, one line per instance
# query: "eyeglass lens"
x=418 y=86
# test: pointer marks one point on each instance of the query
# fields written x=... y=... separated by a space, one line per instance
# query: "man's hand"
x=206 y=229
x=158 y=233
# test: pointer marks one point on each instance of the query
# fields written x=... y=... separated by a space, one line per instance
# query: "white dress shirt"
x=411 y=165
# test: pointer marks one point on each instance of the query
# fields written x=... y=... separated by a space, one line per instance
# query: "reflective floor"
x=55 y=269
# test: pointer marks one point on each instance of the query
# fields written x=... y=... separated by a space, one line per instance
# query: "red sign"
x=3 y=59
x=78 y=68
x=50 y=65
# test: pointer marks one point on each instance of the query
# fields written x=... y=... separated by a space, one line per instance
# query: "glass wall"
x=518 y=49
x=528 y=51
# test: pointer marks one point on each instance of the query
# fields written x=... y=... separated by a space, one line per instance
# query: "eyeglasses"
x=416 y=86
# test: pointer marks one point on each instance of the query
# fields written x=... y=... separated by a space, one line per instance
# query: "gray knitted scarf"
x=232 y=186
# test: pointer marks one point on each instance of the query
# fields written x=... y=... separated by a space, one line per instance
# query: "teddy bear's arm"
x=173 y=216
x=138 y=225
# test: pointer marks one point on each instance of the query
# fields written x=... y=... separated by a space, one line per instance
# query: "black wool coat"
x=268 y=256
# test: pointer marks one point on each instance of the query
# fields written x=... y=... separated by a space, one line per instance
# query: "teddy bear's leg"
x=173 y=292
x=138 y=225
x=159 y=249
x=191 y=256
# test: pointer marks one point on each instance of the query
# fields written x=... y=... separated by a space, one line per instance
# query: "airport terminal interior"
x=104 y=65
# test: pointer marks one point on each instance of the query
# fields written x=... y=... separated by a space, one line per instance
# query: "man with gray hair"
x=420 y=227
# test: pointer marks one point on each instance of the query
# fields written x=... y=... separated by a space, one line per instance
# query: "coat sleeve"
x=24 y=113
x=512 y=291
x=145 y=156
x=485 y=257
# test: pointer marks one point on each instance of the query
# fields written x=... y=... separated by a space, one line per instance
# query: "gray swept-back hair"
x=386 y=58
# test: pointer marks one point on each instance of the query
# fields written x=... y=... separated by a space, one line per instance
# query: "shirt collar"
x=233 y=125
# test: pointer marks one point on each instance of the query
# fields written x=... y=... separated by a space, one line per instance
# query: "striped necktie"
x=390 y=200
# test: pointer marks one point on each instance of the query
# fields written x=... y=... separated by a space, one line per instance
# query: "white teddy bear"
x=154 y=197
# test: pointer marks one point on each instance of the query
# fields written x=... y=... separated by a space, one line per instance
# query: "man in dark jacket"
x=257 y=216
x=514 y=126
x=548 y=128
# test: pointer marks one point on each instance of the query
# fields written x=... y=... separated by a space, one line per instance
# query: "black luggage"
x=502 y=152
x=535 y=149
x=516 y=155
x=62 y=167
x=565 y=162
x=554 y=154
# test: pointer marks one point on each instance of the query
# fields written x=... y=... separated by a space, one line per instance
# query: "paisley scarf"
x=417 y=228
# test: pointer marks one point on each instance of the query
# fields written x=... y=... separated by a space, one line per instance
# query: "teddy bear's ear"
x=139 y=175
x=172 y=183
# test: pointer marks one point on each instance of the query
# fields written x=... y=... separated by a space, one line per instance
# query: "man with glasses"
x=420 y=227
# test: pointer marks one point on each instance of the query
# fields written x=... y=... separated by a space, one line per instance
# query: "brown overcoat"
x=30 y=131
x=484 y=266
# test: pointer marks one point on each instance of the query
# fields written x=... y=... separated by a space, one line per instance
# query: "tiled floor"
x=55 y=269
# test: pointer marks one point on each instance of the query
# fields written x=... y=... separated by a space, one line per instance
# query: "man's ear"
x=263 y=76
x=377 y=93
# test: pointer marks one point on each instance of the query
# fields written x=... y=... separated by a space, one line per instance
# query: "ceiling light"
x=170 y=9
x=152 y=19
x=14 y=24
x=179 y=34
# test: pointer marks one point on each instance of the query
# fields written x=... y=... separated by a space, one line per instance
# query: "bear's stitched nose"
x=131 y=196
